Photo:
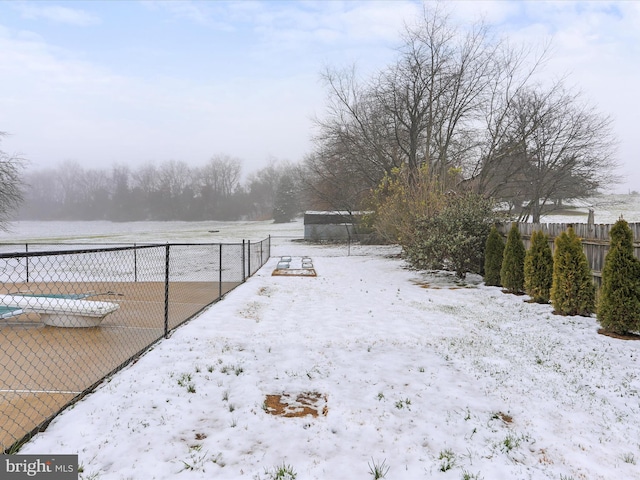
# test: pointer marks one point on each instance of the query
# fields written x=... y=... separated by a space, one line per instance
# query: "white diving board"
x=58 y=311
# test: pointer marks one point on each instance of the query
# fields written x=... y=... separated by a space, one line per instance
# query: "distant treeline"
x=172 y=190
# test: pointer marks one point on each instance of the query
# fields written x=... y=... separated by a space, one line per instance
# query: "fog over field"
x=608 y=209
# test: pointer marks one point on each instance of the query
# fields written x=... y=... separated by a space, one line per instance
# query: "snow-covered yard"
x=418 y=377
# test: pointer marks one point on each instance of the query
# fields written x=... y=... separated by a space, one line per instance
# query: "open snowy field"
x=147 y=232
x=411 y=374
x=607 y=209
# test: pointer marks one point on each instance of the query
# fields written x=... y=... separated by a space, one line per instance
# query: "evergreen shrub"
x=572 y=290
x=619 y=302
x=453 y=238
x=493 y=252
x=512 y=270
x=285 y=206
x=538 y=268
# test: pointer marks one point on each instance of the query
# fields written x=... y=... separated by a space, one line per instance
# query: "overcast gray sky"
x=132 y=82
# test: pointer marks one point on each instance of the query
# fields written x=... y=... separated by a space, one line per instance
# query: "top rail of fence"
x=90 y=247
x=591 y=232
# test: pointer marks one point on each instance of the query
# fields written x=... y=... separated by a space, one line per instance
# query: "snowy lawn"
x=438 y=382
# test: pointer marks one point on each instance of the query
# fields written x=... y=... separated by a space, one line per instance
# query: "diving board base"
x=70 y=320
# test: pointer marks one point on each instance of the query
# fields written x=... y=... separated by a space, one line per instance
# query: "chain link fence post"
x=220 y=272
x=135 y=263
x=26 y=260
x=244 y=271
x=248 y=258
x=166 y=293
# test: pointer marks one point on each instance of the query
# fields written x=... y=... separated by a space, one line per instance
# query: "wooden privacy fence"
x=595 y=240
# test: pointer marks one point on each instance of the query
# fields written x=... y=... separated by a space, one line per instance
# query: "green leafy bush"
x=572 y=290
x=619 y=302
x=493 y=251
x=453 y=238
x=512 y=270
x=538 y=268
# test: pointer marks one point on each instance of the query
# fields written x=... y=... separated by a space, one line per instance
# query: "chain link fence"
x=352 y=246
x=72 y=315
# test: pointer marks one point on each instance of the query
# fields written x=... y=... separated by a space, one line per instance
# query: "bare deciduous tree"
x=11 y=186
x=222 y=173
x=424 y=109
x=491 y=167
x=557 y=147
x=354 y=145
x=458 y=100
x=437 y=89
x=263 y=186
x=331 y=182
x=147 y=178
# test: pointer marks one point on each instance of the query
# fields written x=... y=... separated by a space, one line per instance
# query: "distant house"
x=332 y=226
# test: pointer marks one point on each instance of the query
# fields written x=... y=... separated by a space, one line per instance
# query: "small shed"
x=331 y=225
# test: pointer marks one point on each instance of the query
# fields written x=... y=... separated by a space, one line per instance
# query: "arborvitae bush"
x=572 y=291
x=493 y=252
x=538 y=268
x=512 y=270
x=619 y=302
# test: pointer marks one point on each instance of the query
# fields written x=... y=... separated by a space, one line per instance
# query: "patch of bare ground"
x=291 y=405
x=504 y=417
x=619 y=336
x=509 y=292
x=442 y=286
